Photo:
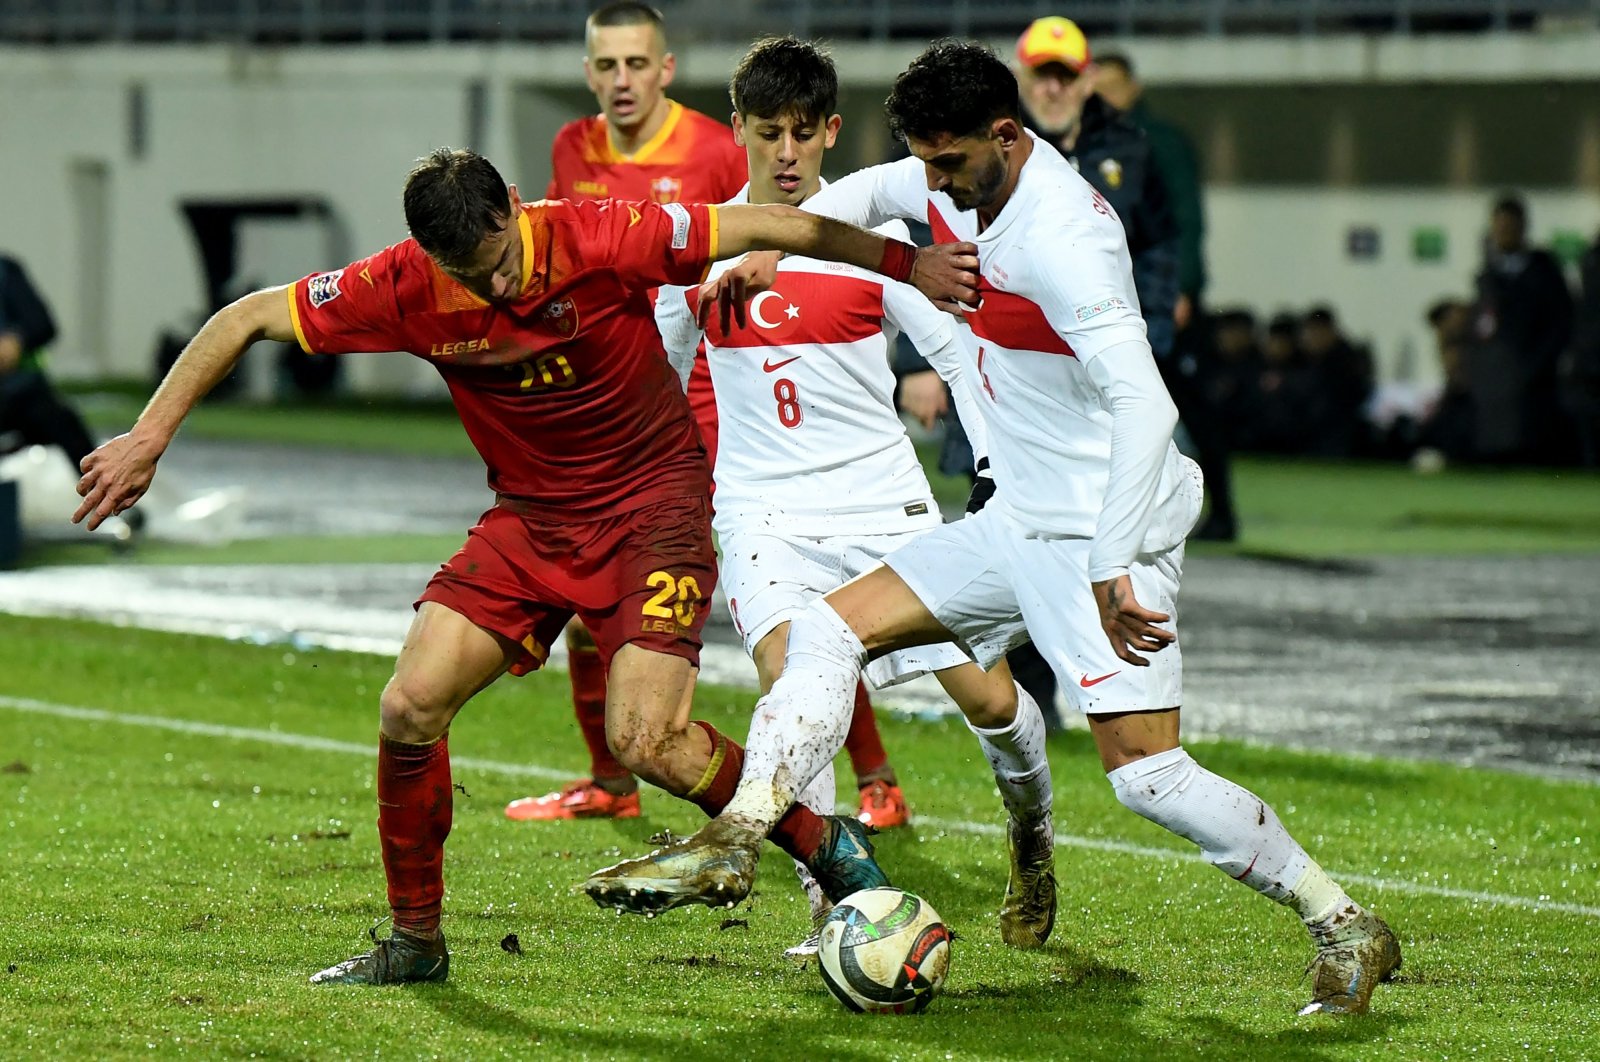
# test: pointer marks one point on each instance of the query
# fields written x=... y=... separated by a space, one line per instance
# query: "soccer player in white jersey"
x=816 y=478
x=1082 y=542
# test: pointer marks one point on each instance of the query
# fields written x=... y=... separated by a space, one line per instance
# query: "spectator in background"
x=1447 y=430
x=1286 y=392
x=1341 y=374
x=1581 y=372
x=1232 y=379
x=1522 y=322
x=31 y=413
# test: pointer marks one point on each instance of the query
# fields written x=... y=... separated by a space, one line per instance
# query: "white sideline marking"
x=1063 y=840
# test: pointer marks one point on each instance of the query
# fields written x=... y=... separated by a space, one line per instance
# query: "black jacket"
x=1115 y=157
x=22 y=311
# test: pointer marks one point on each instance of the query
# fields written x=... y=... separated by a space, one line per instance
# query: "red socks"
x=414 y=812
x=798 y=833
x=588 y=674
x=867 y=756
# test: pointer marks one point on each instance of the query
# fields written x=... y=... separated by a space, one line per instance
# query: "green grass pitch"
x=189 y=833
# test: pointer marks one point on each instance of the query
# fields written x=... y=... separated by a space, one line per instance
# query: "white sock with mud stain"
x=1236 y=831
x=800 y=725
x=1016 y=755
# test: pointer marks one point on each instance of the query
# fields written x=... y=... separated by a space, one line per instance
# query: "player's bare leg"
x=650 y=731
x=1241 y=836
x=797 y=729
x=610 y=791
x=1009 y=726
x=446 y=659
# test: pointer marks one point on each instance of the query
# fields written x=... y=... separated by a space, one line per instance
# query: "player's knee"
x=1146 y=786
x=410 y=711
x=991 y=705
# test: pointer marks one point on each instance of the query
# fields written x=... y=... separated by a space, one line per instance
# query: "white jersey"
x=809 y=442
x=1079 y=422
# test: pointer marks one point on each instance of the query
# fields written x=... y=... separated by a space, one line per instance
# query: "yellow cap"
x=1053 y=40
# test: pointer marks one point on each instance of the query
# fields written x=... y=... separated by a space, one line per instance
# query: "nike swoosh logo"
x=768 y=366
x=1086 y=681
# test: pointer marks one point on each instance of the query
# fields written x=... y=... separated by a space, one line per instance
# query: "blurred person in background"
x=1581 y=371
x=1342 y=378
x=1232 y=380
x=1447 y=429
x=31 y=413
x=1522 y=320
x=1285 y=393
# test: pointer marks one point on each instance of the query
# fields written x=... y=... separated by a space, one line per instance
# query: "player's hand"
x=738 y=284
x=115 y=476
x=1130 y=627
x=922 y=394
x=1183 y=312
x=947 y=273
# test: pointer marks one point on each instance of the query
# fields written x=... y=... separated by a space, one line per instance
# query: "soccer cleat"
x=401 y=958
x=807 y=949
x=1029 y=911
x=716 y=867
x=883 y=806
x=843 y=863
x=582 y=799
x=1351 y=961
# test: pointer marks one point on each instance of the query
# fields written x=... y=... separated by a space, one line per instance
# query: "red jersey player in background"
x=538 y=320
x=643 y=145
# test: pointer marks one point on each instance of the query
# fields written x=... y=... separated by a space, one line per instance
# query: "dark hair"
x=627 y=13
x=453 y=199
x=1118 y=60
x=1283 y=324
x=1321 y=315
x=785 y=75
x=1512 y=204
x=954 y=87
x=1440 y=311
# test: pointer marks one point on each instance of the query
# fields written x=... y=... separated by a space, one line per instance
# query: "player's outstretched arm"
x=117 y=474
x=946 y=273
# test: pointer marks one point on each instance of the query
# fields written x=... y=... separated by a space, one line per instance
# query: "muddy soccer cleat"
x=582 y=799
x=1029 y=911
x=883 y=806
x=715 y=867
x=843 y=863
x=1351 y=961
x=400 y=959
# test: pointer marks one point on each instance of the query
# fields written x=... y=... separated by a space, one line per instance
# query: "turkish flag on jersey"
x=803 y=308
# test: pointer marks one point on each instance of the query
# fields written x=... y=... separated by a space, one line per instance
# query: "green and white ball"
x=884 y=951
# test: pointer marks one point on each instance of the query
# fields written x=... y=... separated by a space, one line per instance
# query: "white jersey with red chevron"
x=811 y=444
x=1056 y=348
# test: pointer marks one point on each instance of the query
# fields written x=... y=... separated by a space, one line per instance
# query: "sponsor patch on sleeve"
x=680 y=224
x=1095 y=309
x=323 y=288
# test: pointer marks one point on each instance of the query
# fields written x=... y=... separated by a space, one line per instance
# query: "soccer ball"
x=885 y=951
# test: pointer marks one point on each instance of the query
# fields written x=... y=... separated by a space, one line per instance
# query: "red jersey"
x=565 y=392
x=692 y=159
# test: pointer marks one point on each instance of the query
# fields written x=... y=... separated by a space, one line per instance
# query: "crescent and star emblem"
x=790 y=310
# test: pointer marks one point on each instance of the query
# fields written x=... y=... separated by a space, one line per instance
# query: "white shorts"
x=994 y=588
x=769 y=578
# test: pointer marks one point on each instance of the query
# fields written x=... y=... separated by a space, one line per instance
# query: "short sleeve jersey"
x=565 y=391
x=692 y=159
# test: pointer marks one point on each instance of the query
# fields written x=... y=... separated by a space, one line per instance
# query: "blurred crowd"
x=1518 y=362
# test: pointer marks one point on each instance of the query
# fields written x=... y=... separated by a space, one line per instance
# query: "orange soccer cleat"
x=883 y=806
x=575 y=800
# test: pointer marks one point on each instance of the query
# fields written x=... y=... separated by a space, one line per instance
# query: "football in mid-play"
x=884 y=950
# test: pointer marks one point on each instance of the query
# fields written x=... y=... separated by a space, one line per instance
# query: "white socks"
x=1016 y=754
x=800 y=725
x=1236 y=831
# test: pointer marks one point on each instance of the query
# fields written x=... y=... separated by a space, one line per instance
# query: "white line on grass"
x=525 y=770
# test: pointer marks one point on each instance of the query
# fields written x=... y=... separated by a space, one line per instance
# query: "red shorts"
x=644 y=577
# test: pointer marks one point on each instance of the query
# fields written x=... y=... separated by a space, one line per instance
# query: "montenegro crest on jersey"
x=666 y=189
x=562 y=317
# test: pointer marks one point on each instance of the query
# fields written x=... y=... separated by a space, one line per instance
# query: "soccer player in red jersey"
x=536 y=316
x=643 y=145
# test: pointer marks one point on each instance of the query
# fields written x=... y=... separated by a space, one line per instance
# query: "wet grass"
x=167 y=893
